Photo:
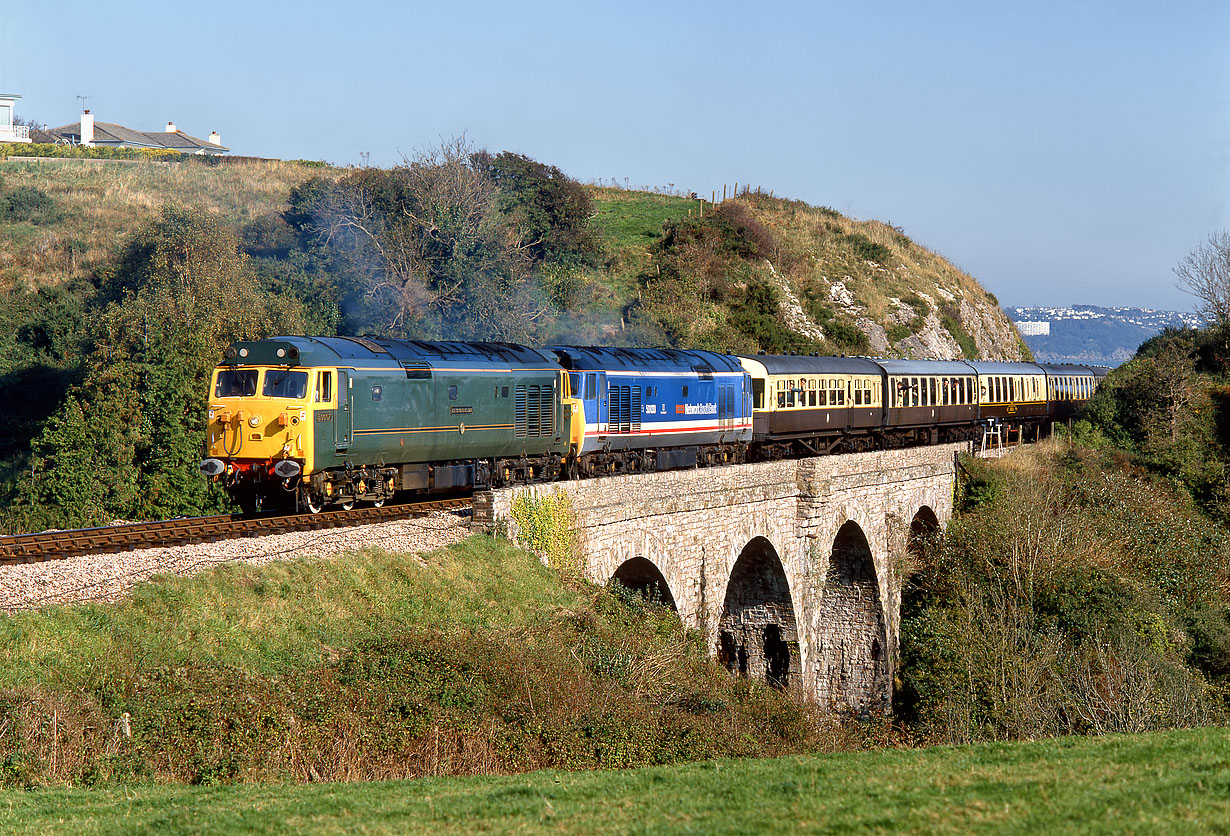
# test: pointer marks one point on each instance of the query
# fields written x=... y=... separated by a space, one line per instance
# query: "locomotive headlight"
x=255 y=421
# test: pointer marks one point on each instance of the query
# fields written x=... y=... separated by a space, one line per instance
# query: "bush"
x=28 y=203
x=866 y=249
x=46 y=149
x=1068 y=597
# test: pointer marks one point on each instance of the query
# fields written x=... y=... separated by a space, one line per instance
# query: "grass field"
x=1175 y=782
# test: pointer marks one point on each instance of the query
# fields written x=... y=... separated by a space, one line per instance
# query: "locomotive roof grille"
x=582 y=357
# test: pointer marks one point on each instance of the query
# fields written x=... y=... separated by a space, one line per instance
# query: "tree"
x=1205 y=274
x=425 y=250
x=127 y=440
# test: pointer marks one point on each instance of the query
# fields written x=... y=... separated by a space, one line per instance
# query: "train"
x=298 y=423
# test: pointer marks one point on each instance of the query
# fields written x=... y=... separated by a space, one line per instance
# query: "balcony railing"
x=14 y=133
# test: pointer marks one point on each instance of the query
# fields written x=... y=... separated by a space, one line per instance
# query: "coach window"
x=324 y=387
x=781 y=394
x=823 y=397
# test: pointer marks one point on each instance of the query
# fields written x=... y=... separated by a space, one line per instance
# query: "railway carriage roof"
x=589 y=358
x=814 y=364
x=927 y=367
x=1062 y=369
x=992 y=367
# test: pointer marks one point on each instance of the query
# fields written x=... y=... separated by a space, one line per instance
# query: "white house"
x=8 y=131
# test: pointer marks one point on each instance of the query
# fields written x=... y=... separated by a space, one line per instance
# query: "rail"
x=58 y=545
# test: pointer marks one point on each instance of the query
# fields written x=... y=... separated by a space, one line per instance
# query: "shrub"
x=545 y=525
x=1067 y=597
x=28 y=203
x=950 y=318
x=46 y=149
x=866 y=249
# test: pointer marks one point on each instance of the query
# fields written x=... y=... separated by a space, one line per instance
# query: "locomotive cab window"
x=285 y=384
x=574 y=384
x=452 y=393
x=236 y=383
x=324 y=387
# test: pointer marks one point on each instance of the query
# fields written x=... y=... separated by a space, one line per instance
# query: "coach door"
x=345 y=412
x=603 y=405
x=726 y=407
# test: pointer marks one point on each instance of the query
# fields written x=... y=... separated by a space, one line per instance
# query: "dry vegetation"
x=102 y=201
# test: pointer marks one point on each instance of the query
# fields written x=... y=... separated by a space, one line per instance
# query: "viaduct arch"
x=790 y=568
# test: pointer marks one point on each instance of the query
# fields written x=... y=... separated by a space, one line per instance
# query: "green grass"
x=634 y=219
x=1174 y=782
x=265 y=619
x=630 y=223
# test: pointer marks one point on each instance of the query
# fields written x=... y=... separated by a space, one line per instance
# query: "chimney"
x=170 y=128
x=214 y=139
x=87 y=128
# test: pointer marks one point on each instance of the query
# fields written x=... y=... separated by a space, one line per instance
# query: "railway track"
x=57 y=545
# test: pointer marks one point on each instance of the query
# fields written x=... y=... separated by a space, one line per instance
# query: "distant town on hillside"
x=1090 y=334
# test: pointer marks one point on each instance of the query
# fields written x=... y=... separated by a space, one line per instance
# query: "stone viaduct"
x=791 y=568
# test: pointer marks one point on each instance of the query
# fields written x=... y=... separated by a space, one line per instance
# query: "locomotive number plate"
x=324 y=417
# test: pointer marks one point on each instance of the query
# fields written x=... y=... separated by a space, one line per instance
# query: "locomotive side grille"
x=621 y=418
x=635 y=409
x=547 y=412
x=520 y=421
x=534 y=422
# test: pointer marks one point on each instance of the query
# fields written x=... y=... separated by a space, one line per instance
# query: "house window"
x=6 y=116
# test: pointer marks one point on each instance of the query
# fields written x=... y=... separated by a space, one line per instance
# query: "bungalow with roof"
x=109 y=135
x=8 y=131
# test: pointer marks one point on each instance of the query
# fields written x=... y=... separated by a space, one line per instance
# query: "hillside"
x=474 y=659
x=833 y=284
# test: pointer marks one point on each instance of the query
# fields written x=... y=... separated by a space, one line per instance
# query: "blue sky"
x=1060 y=152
